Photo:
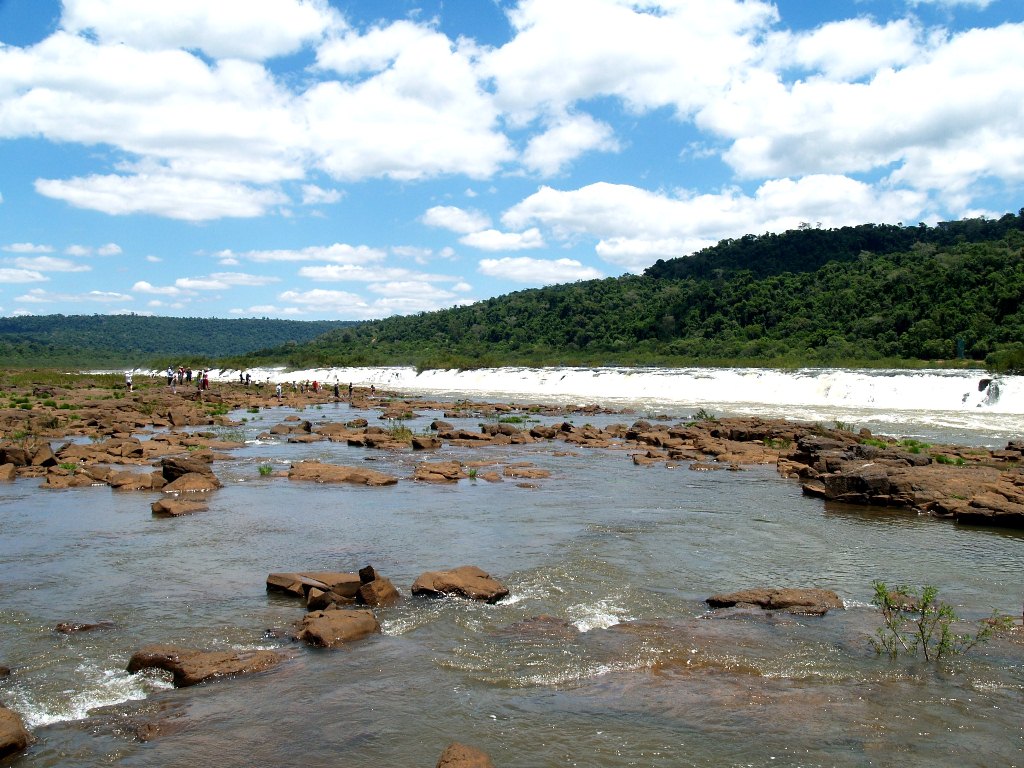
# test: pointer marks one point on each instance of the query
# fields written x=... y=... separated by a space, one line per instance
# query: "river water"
x=604 y=655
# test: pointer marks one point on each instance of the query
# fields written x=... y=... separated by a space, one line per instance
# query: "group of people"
x=184 y=375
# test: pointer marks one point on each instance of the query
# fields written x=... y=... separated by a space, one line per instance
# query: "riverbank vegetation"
x=144 y=341
x=871 y=295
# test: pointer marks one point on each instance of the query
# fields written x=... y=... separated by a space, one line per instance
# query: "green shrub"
x=917 y=621
x=266 y=470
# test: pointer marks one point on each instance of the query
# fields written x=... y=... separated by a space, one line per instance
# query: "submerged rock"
x=190 y=666
x=317 y=472
x=458 y=755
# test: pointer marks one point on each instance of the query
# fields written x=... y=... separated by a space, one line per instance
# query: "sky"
x=355 y=159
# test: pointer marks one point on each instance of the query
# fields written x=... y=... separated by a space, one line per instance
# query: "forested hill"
x=139 y=340
x=850 y=296
x=808 y=248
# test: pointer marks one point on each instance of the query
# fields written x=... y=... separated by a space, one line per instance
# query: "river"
x=605 y=653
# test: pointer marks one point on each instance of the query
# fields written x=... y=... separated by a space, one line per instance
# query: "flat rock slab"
x=193 y=482
x=317 y=472
x=331 y=628
x=190 y=666
x=299 y=583
x=809 y=601
x=466 y=581
x=176 y=508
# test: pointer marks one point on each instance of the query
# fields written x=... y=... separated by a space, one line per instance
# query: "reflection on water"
x=604 y=656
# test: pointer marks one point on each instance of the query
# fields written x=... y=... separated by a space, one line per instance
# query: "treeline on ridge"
x=865 y=295
x=143 y=340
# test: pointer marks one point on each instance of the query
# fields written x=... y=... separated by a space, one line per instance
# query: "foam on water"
x=100 y=687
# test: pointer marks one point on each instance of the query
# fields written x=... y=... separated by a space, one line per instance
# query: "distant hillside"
x=873 y=294
x=138 y=340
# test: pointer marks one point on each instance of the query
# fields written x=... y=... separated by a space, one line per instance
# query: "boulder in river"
x=331 y=628
x=318 y=472
x=13 y=735
x=466 y=581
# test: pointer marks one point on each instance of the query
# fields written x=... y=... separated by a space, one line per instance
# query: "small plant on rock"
x=918 y=621
x=266 y=470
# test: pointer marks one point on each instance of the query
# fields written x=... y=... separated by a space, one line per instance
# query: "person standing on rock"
x=170 y=375
x=128 y=380
x=337 y=391
x=350 y=392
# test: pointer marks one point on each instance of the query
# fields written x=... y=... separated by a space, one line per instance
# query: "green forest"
x=869 y=295
x=142 y=340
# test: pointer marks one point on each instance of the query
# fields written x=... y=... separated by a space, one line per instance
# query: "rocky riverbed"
x=84 y=433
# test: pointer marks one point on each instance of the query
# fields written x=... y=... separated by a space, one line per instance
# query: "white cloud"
x=170 y=196
x=110 y=249
x=848 y=49
x=632 y=225
x=455 y=219
x=143 y=286
x=650 y=54
x=153 y=259
x=27 y=248
x=355 y=273
x=50 y=264
x=493 y=240
x=21 y=276
x=523 y=269
x=225 y=28
x=78 y=250
x=39 y=296
x=566 y=139
x=219 y=281
x=423 y=114
x=336 y=253
x=314 y=195
x=942 y=122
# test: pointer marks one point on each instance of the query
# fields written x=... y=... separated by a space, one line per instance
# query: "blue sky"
x=354 y=159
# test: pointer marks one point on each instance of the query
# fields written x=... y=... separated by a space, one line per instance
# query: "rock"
x=317 y=472
x=466 y=581
x=441 y=426
x=379 y=592
x=190 y=666
x=8 y=472
x=4 y=671
x=174 y=467
x=527 y=473
x=13 y=736
x=299 y=584
x=425 y=443
x=458 y=755
x=176 y=508
x=808 y=601
x=439 y=472
x=71 y=627
x=319 y=600
x=43 y=457
x=134 y=481
x=61 y=479
x=193 y=482
x=329 y=629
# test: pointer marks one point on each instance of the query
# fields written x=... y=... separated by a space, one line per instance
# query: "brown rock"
x=458 y=755
x=176 y=508
x=8 y=472
x=190 y=666
x=43 y=457
x=425 y=443
x=379 y=592
x=466 y=581
x=174 y=467
x=193 y=482
x=71 y=628
x=527 y=473
x=329 y=629
x=317 y=472
x=13 y=736
x=809 y=601
x=439 y=472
